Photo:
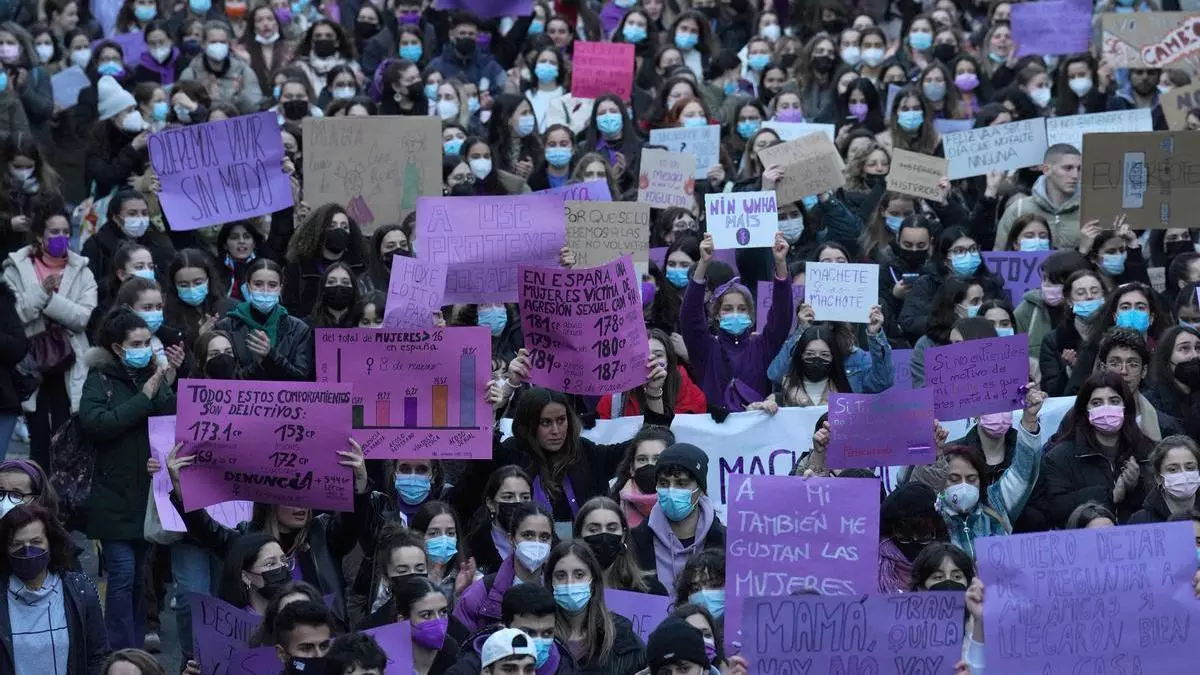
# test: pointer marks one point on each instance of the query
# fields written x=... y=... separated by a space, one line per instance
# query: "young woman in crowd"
x=507 y=487
x=530 y=535
x=602 y=526
x=269 y=343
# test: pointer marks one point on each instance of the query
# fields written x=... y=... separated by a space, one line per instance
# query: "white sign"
x=841 y=291
x=742 y=219
x=789 y=131
x=703 y=142
x=1003 y=147
x=1070 y=129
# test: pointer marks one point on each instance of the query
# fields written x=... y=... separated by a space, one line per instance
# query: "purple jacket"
x=165 y=71
x=717 y=359
x=479 y=605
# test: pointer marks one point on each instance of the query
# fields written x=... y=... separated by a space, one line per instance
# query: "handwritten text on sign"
x=788 y=534
x=219 y=629
x=703 y=143
x=666 y=179
x=599 y=232
x=910 y=634
x=270 y=442
x=216 y=172
x=742 y=219
x=162 y=439
x=416 y=395
x=584 y=328
x=841 y=291
x=602 y=68
x=977 y=377
x=1004 y=147
x=1115 y=600
x=891 y=428
x=1020 y=270
x=484 y=239
x=415 y=290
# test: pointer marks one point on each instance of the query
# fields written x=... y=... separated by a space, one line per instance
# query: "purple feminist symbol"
x=743 y=236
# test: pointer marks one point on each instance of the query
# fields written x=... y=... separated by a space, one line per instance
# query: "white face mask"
x=447 y=109
x=44 y=52
x=1080 y=85
x=961 y=497
x=791 y=228
x=160 y=54
x=851 y=56
x=133 y=122
x=480 y=167
x=771 y=32
x=8 y=504
x=1181 y=485
x=267 y=39
x=135 y=226
x=533 y=554
x=81 y=57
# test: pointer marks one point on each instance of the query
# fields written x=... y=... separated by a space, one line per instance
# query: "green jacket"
x=1033 y=318
x=113 y=411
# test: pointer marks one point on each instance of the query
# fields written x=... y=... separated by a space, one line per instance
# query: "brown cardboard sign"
x=1176 y=104
x=1151 y=177
x=918 y=175
x=600 y=232
x=811 y=165
x=1151 y=40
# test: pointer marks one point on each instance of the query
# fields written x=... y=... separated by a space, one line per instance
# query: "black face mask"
x=463 y=190
x=338 y=297
x=948 y=585
x=822 y=64
x=1145 y=87
x=335 y=240
x=324 y=48
x=874 y=181
x=710 y=12
x=1188 y=374
x=415 y=92
x=910 y=549
x=221 y=367
x=644 y=479
x=273 y=580
x=294 y=110
x=504 y=514
x=912 y=260
x=788 y=60
x=302 y=666
x=1174 y=248
x=834 y=27
x=464 y=46
x=607 y=546
x=945 y=53
x=365 y=30
x=815 y=370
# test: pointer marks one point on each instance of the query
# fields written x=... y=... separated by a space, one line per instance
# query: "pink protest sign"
x=602 y=68
x=162 y=439
x=891 y=428
x=217 y=172
x=417 y=395
x=644 y=611
x=484 y=239
x=415 y=291
x=270 y=442
x=762 y=304
x=977 y=377
x=789 y=534
x=584 y=328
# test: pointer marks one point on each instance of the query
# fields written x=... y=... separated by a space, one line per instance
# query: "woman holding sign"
x=269 y=343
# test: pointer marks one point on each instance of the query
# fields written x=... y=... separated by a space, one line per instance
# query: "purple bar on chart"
x=410 y=411
x=383 y=410
x=466 y=390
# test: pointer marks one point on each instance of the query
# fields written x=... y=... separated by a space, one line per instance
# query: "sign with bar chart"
x=417 y=394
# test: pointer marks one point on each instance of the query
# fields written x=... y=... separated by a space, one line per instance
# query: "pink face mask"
x=1107 y=418
x=1052 y=294
x=996 y=424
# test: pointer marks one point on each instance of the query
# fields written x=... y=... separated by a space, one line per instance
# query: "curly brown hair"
x=306 y=242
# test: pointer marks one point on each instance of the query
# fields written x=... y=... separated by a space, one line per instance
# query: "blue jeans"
x=7 y=422
x=193 y=569
x=125 y=568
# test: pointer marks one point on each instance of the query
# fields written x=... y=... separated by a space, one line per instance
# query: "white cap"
x=505 y=643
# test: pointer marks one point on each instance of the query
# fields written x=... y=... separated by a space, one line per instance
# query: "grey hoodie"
x=1063 y=220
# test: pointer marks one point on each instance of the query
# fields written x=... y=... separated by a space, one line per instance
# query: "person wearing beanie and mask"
x=117 y=145
x=303 y=635
x=908 y=523
x=327 y=236
x=684 y=521
x=508 y=652
x=462 y=59
x=677 y=648
x=529 y=608
x=530 y=537
x=601 y=525
x=1176 y=477
x=227 y=77
x=52 y=617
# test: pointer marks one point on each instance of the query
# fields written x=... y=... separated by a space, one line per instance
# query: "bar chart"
x=413 y=401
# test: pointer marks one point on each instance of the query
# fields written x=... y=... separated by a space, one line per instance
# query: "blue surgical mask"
x=634 y=34
x=893 y=223
x=546 y=72
x=473 y=105
x=1113 y=263
x=441 y=549
x=910 y=120
x=694 y=122
x=495 y=318
x=686 y=41
x=277 y=91
x=573 y=598
x=144 y=12
x=558 y=157
x=610 y=123
x=137 y=357
x=1036 y=244
x=452 y=146
x=194 y=295
x=525 y=125
x=1005 y=332
x=965 y=264
x=676 y=503
x=971 y=311
x=936 y=91
x=159 y=111
x=712 y=599
x=543 y=645
x=109 y=68
x=747 y=128
x=202 y=6
x=413 y=52
x=537 y=27
x=810 y=202
x=1086 y=308
x=430 y=91
x=144 y=273
x=412 y=488
x=758 y=61
x=735 y=323
x=730 y=88
x=791 y=228
x=153 y=319
x=1137 y=319
x=677 y=276
x=263 y=302
x=920 y=41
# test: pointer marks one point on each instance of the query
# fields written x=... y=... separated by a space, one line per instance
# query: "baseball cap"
x=505 y=643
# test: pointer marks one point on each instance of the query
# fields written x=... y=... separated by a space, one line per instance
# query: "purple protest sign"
x=584 y=328
x=977 y=377
x=891 y=428
x=218 y=630
x=1052 y=27
x=133 y=45
x=902 y=362
x=257 y=661
x=439 y=378
x=485 y=239
x=1020 y=270
x=1116 y=600
x=396 y=641
x=162 y=439
x=487 y=9
x=645 y=611
x=789 y=534
x=911 y=634
x=217 y=172
x=591 y=191
x=269 y=442
x=762 y=303
x=415 y=290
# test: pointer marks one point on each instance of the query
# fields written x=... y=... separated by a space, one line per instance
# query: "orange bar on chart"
x=441 y=394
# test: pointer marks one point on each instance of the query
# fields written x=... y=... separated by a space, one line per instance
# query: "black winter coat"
x=304 y=282
x=13 y=347
x=1057 y=379
x=914 y=317
x=1155 y=509
x=101 y=248
x=85 y=626
x=290 y=358
x=1073 y=474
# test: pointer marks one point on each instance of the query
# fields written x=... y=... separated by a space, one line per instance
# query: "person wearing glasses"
x=955 y=255
x=1124 y=351
x=24 y=482
x=254 y=571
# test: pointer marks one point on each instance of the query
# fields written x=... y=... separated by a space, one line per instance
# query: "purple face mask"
x=431 y=634
x=29 y=562
x=648 y=290
x=283 y=14
x=57 y=246
x=408 y=19
x=789 y=115
x=483 y=40
x=859 y=111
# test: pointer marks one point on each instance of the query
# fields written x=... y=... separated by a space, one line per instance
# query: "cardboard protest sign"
x=487 y=9
x=1150 y=39
x=918 y=175
x=1004 y=147
x=667 y=179
x=591 y=191
x=1021 y=271
x=1051 y=27
x=1146 y=176
x=910 y=633
x=645 y=611
x=790 y=131
x=947 y=126
x=218 y=630
x=811 y=165
x=1177 y=103
x=762 y=303
x=217 y=172
x=269 y=442
x=584 y=328
x=415 y=291
x=977 y=377
x=439 y=377
x=602 y=68
x=702 y=142
x=162 y=439
x=599 y=232
x=484 y=239
x=841 y=291
x=1090 y=600
x=66 y=85
x=1071 y=128
x=376 y=167
x=742 y=219
x=789 y=534
x=891 y=428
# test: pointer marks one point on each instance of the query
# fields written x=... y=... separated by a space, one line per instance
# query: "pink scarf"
x=636 y=505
